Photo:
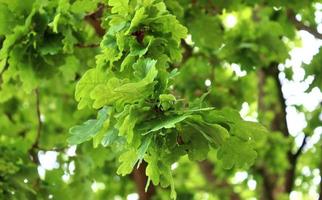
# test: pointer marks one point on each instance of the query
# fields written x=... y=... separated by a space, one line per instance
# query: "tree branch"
x=87 y=45
x=320 y=167
x=269 y=185
x=279 y=122
x=300 y=149
x=95 y=20
x=300 y=26
x=3 y=70
x=290 y=173
x=261 y=93
x=34 y=147
x=140 y=180
x=188 y=50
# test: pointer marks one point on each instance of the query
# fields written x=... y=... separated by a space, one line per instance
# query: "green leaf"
x=117 y=92
x=127 y=127
x=82 y=6
x=197 y=143
x=143 y=148
x=236 y=152
x=167 y=101
x=152 y=169
x=214 y=133
x=138 y=17
x=166 y=122
x=88 y=129
x=119 y=6
x=6 y=22
x=172 y=25
x=249 y=130
x=54 y=23
x=85 y=86
x=132 y=156
x=110 y=137
x=128 y=159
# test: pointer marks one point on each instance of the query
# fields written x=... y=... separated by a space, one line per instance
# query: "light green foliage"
x=132 y=76
x=121 y=7
x=86 y=85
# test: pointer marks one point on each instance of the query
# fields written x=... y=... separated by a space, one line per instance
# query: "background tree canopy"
x=160 y=99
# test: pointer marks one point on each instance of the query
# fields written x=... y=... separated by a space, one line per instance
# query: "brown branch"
x=87 y=45
x=320 y=168
x=207 y=169
x=261 y=93
x=140 y=180
x=38 y=119
x=300 y=26
x=290 y=173
x=300 y=149
x=279 y=122
x=269 y=185
x=188 y=50
x=95 y=20
x=3 y=70
x=34 y=147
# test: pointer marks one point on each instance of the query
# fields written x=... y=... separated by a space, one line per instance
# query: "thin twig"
x=87 y=45
x=300 y=149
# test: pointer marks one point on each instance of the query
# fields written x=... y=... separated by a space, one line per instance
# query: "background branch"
x=87 y=45
x=34 y=147
x=301 y=26
x=207 y=169
x=290 y=173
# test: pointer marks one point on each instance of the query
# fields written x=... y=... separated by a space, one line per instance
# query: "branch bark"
x=290 y=173
x=279 y=122
x=301 y=26
x=34 y=147
x=95 y=20
x=140 y=180
x=320 y=194
x=268 y=184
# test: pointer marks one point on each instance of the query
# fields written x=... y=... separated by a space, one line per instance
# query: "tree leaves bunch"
x=131 y=87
